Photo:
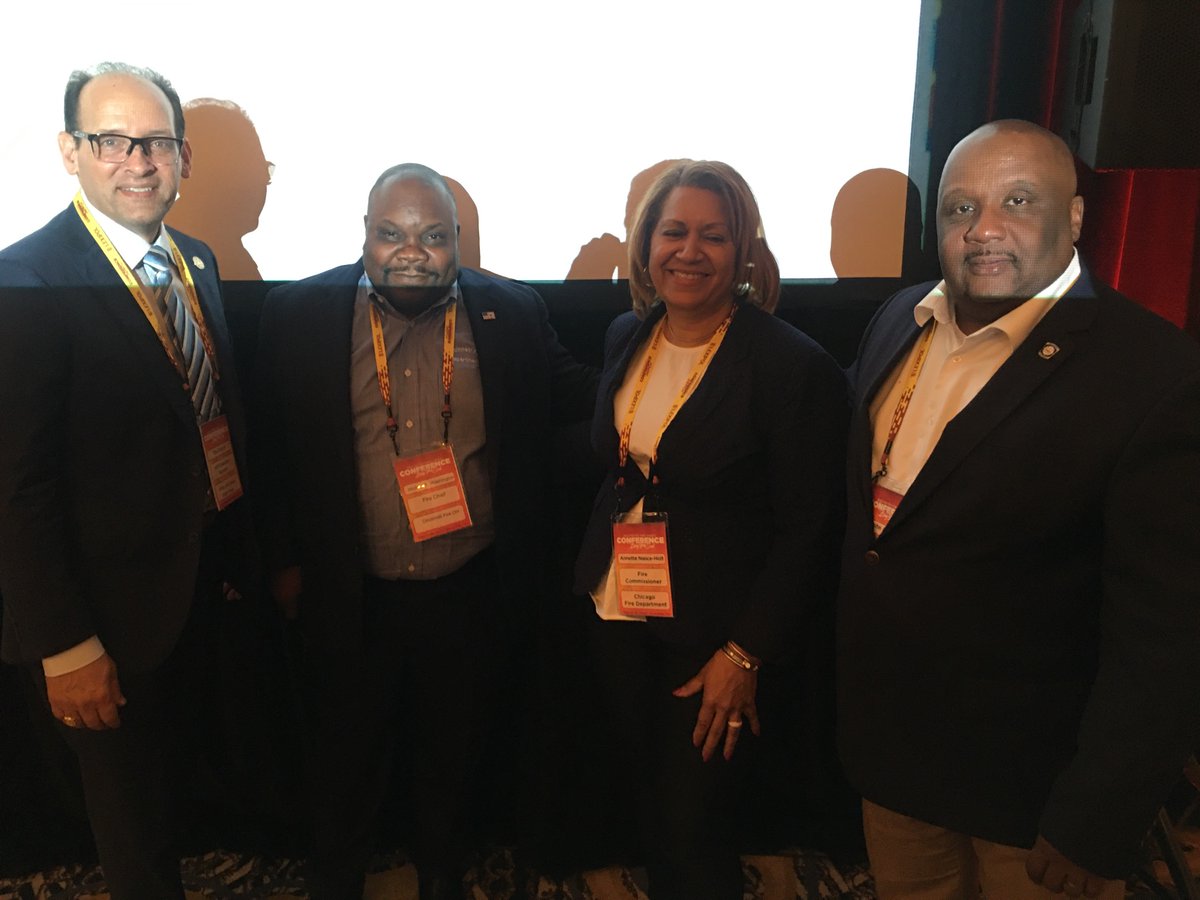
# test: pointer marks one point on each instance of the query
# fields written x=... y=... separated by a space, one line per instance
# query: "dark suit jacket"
x=306 y=451
x=102 y=476
x=1018 y=649
x=750 y=478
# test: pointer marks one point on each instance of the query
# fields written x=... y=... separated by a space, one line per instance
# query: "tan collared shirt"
x=956 y=369
x=414 y=349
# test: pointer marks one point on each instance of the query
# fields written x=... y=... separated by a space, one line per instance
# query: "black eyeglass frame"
x=143 y=142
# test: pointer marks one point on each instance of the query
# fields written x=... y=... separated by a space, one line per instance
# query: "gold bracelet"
x=738 y=657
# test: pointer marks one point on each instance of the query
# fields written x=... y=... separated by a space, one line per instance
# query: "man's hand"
x=286 y=587
x=727 y=704
x=1057 y=874
x=89 y=697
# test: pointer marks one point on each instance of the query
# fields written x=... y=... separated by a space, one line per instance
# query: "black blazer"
x=750 y=478
x=305 y=445
x=1018 y=649
x=102 y=476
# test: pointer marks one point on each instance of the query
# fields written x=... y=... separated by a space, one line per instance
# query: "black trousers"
x=683 y=810
x=140 y=781
x=426 y=679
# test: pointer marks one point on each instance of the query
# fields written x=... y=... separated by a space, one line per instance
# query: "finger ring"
x=732 y=724
x=69 y=721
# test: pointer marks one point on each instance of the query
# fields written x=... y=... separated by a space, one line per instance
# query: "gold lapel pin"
x=1048 y=350
x=197 y=262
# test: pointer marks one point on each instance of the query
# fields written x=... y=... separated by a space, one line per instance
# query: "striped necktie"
x=160 y=278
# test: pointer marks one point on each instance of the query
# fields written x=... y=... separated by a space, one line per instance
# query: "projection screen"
x=543 y=112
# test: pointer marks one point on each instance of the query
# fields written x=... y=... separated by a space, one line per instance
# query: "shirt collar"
x=130 y=245
x=1016 y=324
x=367 y=292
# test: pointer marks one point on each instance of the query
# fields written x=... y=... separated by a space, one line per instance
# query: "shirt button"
x=872 y=558
x=411 y=568
x=408 y=424
x=408 y=373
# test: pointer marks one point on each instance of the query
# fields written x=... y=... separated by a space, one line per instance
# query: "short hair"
x=416 y=172
x=80 y=77
x=754 y=263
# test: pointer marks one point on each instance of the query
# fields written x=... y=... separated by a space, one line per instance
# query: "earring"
x=745 y=288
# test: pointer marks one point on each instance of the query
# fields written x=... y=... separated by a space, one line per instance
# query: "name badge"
x=883 y=506
x=642 y=569
x=221 y=462
x=433 y=495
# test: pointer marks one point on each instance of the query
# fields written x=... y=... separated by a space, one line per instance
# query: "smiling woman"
x=713 y=536
x=692 y=261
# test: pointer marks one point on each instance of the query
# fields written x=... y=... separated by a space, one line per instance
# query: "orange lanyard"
x=385 y=381
x=693 y=379
x=144 y=303
x=910 y=385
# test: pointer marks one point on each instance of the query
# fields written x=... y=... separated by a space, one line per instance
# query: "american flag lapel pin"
x=489 y=315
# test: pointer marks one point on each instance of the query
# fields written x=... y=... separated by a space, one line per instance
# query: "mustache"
x=976 y=254
x=408 y=270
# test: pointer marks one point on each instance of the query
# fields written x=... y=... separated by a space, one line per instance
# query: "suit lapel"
x=490 y=346
x=604 y=434
x=1047 y=348
x=715 y=384
x=707 y=394
x=329 y=320
x=114 y=298
x=615 y=377
x=207 y=291
x=898 y=332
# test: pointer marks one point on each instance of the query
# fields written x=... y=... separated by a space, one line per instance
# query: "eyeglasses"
x=115 y=148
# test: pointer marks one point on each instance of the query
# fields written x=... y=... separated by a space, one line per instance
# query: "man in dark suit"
x=1019 y=681
x=120 y=462
x=406 y=409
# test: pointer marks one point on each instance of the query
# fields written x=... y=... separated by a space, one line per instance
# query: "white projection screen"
x=542 y=111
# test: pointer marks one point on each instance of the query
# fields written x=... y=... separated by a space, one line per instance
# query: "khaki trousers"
x=913 y=860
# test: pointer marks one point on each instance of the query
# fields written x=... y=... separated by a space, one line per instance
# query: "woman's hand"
x=727 y=703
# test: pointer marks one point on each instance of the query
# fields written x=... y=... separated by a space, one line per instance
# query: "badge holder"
x=642 y=566
x=883 y=506
x=432 y=491
x=221 y=461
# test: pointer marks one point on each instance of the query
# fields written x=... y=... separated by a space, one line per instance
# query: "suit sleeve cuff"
x=73 y=658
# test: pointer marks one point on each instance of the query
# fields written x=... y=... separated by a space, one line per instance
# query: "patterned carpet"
x=802 y=875
x=221 y=875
